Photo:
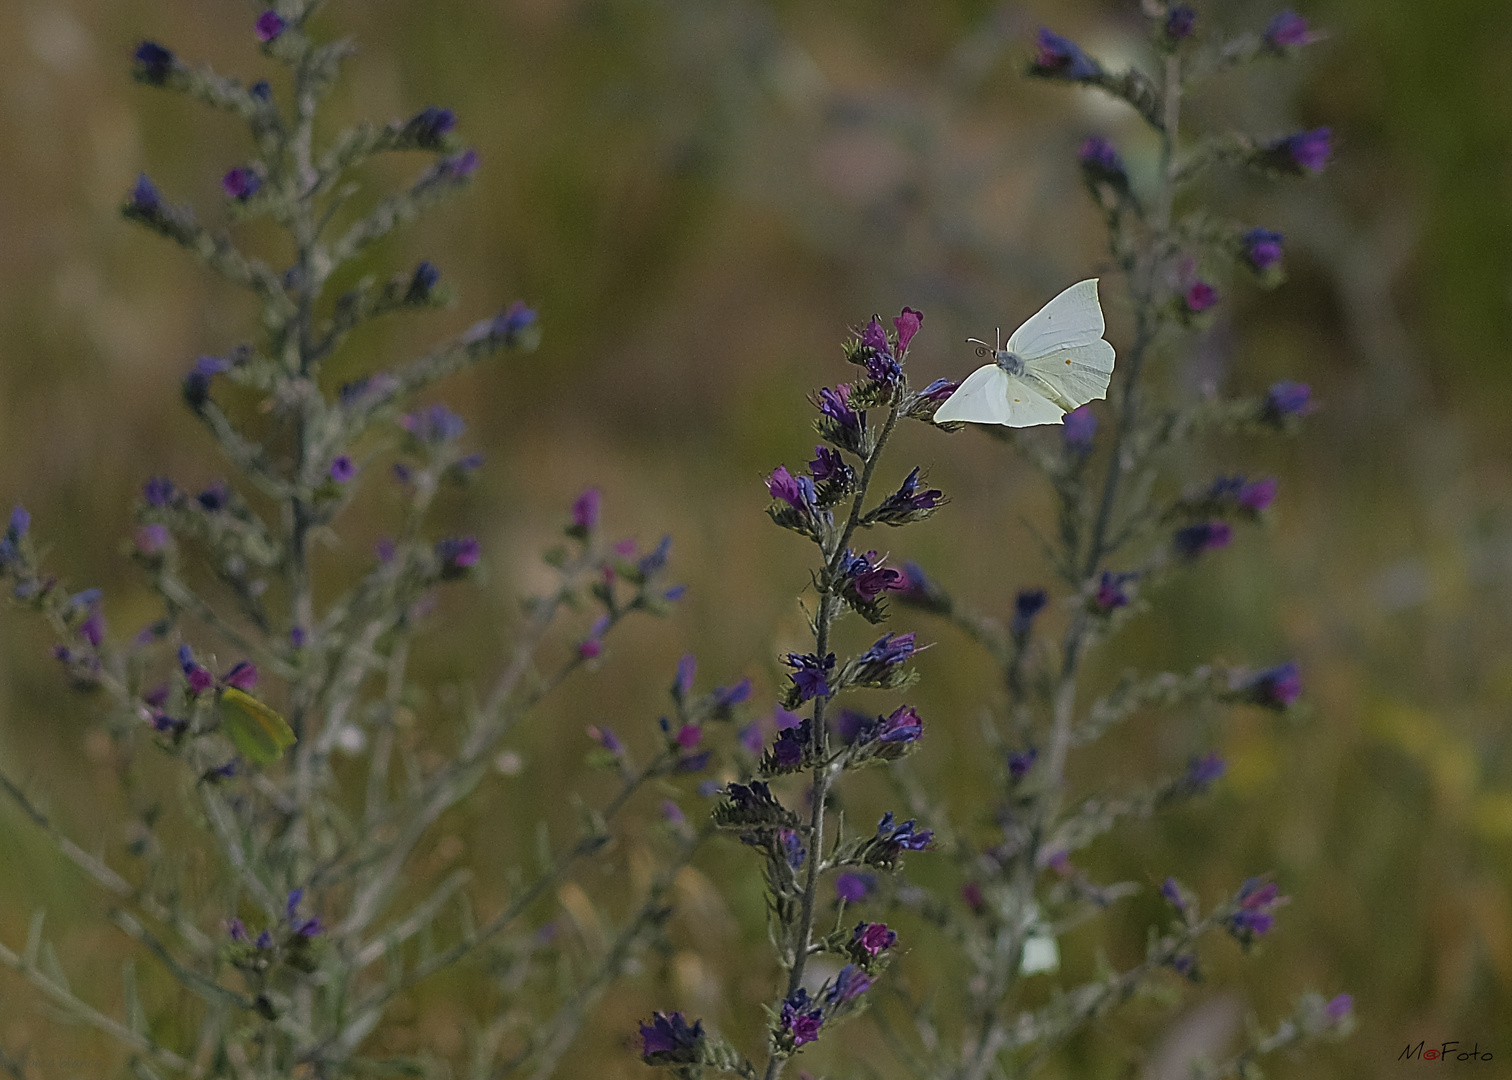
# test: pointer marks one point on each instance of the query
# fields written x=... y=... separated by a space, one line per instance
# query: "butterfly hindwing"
x=982 y=398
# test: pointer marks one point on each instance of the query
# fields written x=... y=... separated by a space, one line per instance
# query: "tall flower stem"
x=829 y=609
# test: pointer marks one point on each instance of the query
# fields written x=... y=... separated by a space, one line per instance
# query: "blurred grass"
x=698 y=198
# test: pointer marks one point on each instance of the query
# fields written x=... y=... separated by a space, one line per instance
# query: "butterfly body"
x=1056 y=362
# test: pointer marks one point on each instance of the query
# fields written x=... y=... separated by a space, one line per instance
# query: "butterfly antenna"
x=982 y=348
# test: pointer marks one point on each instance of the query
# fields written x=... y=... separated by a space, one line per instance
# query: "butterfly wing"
x=1030 y=404
x=1074 y=375
x=982 y=398
x=257 y=731
x=1074 y=318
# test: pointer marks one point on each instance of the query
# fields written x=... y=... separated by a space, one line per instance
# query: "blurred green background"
x=699 y=197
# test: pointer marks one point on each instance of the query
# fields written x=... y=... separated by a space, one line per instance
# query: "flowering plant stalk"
x=1117 y=538
x=274 y=690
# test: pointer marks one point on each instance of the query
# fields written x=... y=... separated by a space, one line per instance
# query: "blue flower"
x=910 y=502
x=1026 y=605
x=897 y=838
x=809 y=675
x=145 y=199
x=1287 y=398
x=668 y=1040
x=423 y=281
x=153 y=63
x=430 y=125
x=1062 y=58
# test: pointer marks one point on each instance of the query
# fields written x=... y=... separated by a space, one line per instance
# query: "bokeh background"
x=698 y=198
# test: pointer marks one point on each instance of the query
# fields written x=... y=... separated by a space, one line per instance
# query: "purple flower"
x=828 y=465
x=435 y=425
x=269 y=25
x=145 y=199
x=237 y=929
x=593 y=644
x=682 y=686
x=784 y=719
x=863 y=578
x=793 y=843
x=907 y=324
x=809 y=674
x=873 y=938
x=153 y=63
x=241 y=183
x=1339 y=1007
x=654 y=560
x=92 y=629
x=1202 y=772
x=896 y=838
x=750 y=737
x=788 y=748
x=460 y=166
x=1257 y=495
x=151 y=539
x=1180 y=22
x=909 y=503
x=799 y=1021
x=158 y=491
x=1285 y=399
x=850 y=982
x=243 y=675
x=264 y=940
x=607 y=739
x=456 y=554
x=1021 y=761
x=224 y=772
x=1306 y=151
x=1026 y=605
x=902 y=725
x=784 y=486
x=261 y=90
x=1100 y=163
x=688 y=736
x=214 y=497
x=508 y=323
x=755 y=797
x=726 y=697
x=669 y=1040
x=853 y=888
x=972 y=897
x=939 y=390
x=198 y=678
x=841 y=425
x=1193 y=540
x=430 y=125
x=343 y=469
x=585 y=510
x=1172 y=892
x=879 y=662
x=1275 y=688
x=1257 y=900
x=1262 y=248
x=1199 y=296
x=1110 y=591
x=1062 y=58
x=1288 y=30
x=423 y=281
x=881 y=365
x=672 y=813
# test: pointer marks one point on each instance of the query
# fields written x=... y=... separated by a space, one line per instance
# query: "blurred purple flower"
x=1110 y=591
x=457 y=554
x=1275 y=688
x=243 y=675
x=798 y=1020
x=1026 y=605
x=585 y=510
x=1180 y=23
x=1193 y=540
x=1203 y=771
x=854 y=888
x=1262 y=248
x=1306 y=150
x=686 y=667
x=155 y=62
x=1289 y=30
x=1339 y=1007
x=430 y=125
x=1062 y=58
x=269 y=25
x=669 y=1040
x=1021 y=761
x=1287 y=398
x=343 y=469
x=241 y=183
x=1199 y=296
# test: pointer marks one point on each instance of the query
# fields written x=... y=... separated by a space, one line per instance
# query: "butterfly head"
x=1010 y=362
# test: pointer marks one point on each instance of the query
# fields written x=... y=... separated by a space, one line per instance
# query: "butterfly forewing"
x=1072 y=318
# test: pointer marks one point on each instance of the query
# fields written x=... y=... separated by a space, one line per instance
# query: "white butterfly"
x=1054 y=363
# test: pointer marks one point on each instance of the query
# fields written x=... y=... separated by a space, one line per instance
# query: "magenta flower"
x=1199 y=296
x=854 y=888
x=241 y=183
x=798 y=1020
x=668 y=1040
x=873 y=938
x=907 y=324
x=269 y=25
